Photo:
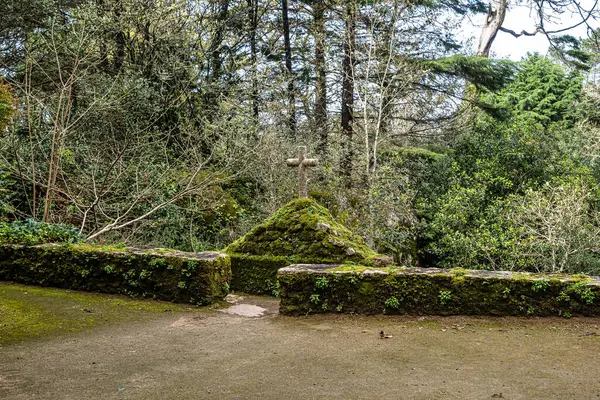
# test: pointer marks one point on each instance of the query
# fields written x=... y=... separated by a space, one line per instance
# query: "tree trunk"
x=291 y=90
x=217 y=39
x=493 y=22
x=321 y=83
x=119 y=39
x=384 y=54
x=348 y=91
x=253 y=19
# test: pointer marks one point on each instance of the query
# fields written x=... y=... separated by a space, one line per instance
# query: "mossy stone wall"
x=199 y=278
x=306 y=289
x=256 y=274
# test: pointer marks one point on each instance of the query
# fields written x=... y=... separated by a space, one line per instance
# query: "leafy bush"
x=553 y=229
x=522 y=194
x=32 y=232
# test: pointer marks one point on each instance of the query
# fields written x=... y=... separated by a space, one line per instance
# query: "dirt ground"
x=216 y=355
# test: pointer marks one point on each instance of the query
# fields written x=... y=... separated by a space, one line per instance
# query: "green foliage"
x=392 y=303
x=540 y=285
x=584 y=292
x=543 y=92
x=514 y=180
x=563 y=297
x=32 y=232
x=480 y=71
x=445 y=297
x=10 y=195
x=314 y=298
x=572 y=51
x=321 y=283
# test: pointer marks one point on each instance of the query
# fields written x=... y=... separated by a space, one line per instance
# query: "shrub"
x=32 y=232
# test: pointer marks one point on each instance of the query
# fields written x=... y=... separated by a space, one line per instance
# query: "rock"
x=323 y=227
x=245 y=310
x=335 y=242
x=382 y=261
x=350 y=251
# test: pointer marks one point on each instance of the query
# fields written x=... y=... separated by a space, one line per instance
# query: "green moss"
x=28 y=312
x=459 y=271
x=430 y=291
x=119 y=270
x=256 y=274
x=304 y=232
x=300 y=232
x=359 y=268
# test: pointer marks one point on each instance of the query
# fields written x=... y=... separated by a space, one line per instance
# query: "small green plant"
x=540 y=285
x=192 y=265
x=392 y=303
x=445 y=297
x=566 y=315
x=276 y=289
x=322 y=283
x=157 y=262
x=530 y=310
x=563 y=296
x=584 y=292
x=325 y=306
x=181 y=285
x=109 y=269
x=506 y=293
x=226 y=288
x=314 y=298
x=338 y=308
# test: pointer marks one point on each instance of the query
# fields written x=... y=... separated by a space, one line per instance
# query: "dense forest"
x=167 y=123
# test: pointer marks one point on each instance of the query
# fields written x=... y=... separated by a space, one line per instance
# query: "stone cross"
x=302 y=163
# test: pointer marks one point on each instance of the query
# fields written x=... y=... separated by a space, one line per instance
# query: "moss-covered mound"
x=304 y=231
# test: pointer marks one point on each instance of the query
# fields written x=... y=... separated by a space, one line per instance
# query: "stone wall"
x=256 y=274
x=198 y=278
x=306 y=289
